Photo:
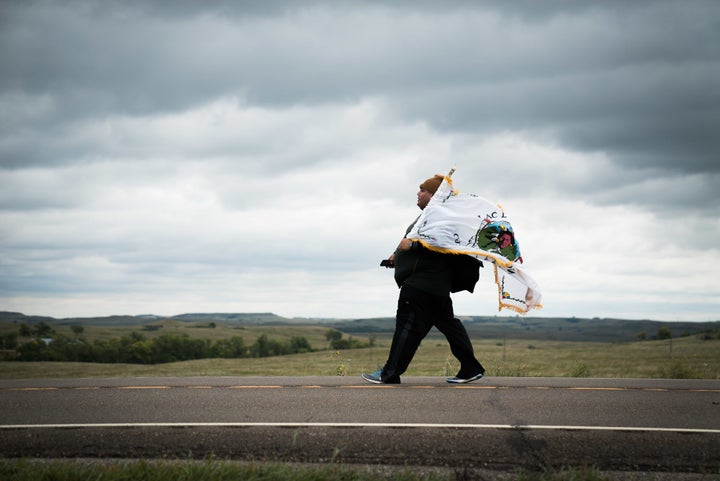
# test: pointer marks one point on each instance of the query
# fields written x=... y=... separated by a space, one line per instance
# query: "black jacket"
x=466 y=272
x=436 y=273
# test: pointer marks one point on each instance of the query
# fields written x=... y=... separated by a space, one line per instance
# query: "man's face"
x=423 y=197
x=504 y=240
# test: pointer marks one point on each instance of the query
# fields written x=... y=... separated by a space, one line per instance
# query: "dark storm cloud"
x=641 y=116
x=636 y=80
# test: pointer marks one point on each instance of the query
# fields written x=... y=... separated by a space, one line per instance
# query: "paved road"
x=495 y=423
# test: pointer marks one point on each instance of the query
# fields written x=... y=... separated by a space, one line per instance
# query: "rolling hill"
x=488 y=327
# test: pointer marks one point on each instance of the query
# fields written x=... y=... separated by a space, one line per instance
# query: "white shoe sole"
x=371 y=379
x=459 y=380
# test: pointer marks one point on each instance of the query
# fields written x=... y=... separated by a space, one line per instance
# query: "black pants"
x=417 y=313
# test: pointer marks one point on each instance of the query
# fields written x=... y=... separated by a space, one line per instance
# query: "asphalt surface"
x=496 y=423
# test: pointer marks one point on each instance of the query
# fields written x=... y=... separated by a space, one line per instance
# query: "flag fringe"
x=512 y=307
x=485 y=255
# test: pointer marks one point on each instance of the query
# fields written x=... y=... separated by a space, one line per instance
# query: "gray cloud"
x=635 y=81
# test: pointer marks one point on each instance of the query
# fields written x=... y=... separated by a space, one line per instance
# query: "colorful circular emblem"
x=498 y=237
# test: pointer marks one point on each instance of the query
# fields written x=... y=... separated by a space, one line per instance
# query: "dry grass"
x=314 y=334
x=689 y=357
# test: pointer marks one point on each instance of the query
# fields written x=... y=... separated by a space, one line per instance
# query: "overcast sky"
x=230 y=156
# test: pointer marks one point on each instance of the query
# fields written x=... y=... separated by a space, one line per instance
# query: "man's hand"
x=389 y=262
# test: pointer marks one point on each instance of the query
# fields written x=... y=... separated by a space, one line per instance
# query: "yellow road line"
x=32 y=389
x=143 y=387
x=255 y=387
x=596 y=388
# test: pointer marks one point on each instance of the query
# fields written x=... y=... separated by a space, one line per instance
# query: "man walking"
x=426 y=279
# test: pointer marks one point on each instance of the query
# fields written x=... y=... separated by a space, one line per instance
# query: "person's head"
x=427 y=189
x=505 y=239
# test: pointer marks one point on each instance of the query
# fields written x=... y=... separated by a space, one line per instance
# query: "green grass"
x=66 y=470
x=690 y=357
x=219 y=470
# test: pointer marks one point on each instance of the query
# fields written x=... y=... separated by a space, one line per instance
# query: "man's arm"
x=404 y=245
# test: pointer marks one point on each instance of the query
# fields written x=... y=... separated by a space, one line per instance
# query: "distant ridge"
x=232 y=318
x=545 y=328
x=226 y=318
x=487 y=327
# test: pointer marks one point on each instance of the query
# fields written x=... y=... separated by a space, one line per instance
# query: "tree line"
x=46 y=345
x=137 y=349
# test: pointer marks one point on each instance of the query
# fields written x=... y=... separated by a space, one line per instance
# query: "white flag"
x=468 y=224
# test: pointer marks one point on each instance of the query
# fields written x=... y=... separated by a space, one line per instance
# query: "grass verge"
x=684 y=358
x=219 y=470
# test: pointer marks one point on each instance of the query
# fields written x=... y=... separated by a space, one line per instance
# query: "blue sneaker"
x=460 y=380
x=373 y=377
x=376 y=378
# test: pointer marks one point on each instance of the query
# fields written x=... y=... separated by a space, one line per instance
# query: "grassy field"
x=686 y=357
x=314 y=334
